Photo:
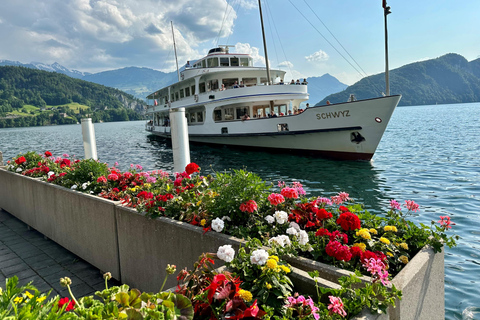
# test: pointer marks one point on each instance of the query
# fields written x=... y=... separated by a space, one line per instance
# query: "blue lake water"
x=429 y=154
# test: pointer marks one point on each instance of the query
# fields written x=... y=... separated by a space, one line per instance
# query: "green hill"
x=447 y=79
x=30 y=97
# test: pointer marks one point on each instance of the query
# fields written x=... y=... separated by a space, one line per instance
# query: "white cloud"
x=286 y=64
x=253 y=51
x=248 y=4
x=317 y=56
x=83 y=34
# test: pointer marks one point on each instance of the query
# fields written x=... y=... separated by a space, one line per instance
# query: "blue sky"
x=99 y=35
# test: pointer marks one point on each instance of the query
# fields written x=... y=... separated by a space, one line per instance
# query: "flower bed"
x=334 y=231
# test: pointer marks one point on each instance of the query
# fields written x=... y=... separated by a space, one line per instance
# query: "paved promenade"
x=27 y=254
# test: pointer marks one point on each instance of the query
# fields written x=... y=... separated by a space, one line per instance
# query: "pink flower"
x=411 y=205
x=378 y=270
x=128 y=175
x=324 y=201
x=394 y=205
x=249 y=206
x=138 y=167
x=445 y=222
x=102 y=179
x=289 y=193
x=336 y=306
x=344 y=196
x=337 y=200
x=275 y=199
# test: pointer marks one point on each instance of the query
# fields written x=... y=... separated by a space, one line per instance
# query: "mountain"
x=320 y=87
x=56 y=67
x=30 y=97
x=138 y=82
x=444 y=80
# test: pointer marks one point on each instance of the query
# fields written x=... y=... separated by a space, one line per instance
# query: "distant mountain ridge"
x=55 y=67
x=444 y=80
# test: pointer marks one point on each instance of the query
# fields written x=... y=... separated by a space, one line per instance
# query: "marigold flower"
x=364 y=233
x=389 y=254
x=271 y=263
x=360 y=245
x=285 y=269
x=41 y=299
x=403 y=245
x=384 y=240
x=390 y=228
x=373 y=231
x=403 y=259
x=29 y=295
x=203 y=222
x=245 y=295
x=274 y=258
x=268 y=286
x=18 y=300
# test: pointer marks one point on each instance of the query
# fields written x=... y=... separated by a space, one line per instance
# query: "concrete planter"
x=422 y=282
x=136 y=249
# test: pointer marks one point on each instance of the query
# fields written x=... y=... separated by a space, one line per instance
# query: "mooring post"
x=89 y=143
x=180 y=145
x=1 y=159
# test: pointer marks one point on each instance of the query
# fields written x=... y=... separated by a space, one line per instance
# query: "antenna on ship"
x=175 y=49
x=264 y=42
x=386 y=12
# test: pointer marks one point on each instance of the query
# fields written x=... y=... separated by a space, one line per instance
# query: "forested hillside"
x=445 y=80
x=30 y=97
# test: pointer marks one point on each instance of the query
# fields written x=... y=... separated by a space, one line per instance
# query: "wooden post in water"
x=1 y=159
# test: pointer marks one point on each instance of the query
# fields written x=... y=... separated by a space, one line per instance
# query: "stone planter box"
x=136 y=249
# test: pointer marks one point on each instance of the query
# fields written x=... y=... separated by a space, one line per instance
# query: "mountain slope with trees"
x=444 y=80
x=30 y=97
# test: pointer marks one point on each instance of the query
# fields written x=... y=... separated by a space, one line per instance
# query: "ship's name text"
x=334 y=114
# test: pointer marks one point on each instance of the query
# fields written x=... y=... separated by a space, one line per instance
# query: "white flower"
x=303 y=237
x=281 y=217
x=294 y=225
x=19 y=170
x=270 y=219
x=9 y=167
x=85 y=185
x=282 y=240
x=50 y=173
x=74 y=187
x=226 y=253
x=217 y=225
x=226 y=218
x=292 y=231
x=259 y=257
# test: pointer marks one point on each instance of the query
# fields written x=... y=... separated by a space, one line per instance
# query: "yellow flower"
x=147 y=185
x=274 y=258
x=199 y=202
x=403 y=259
x=1 y=291
x=18 y=300
x=364 y=233
x=271 y=263
x=390 y=228
x=245 y=295
x=268 y=286
x=384 y=240
x=373 y=231
x=389 y=254
x=403 y=245
x=203 y=222
x=285 y=269
x=29 y=295
x=132 y=189
x=361 y=245
x=41 y=299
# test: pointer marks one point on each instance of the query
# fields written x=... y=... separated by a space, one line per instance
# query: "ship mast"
x=386 y=11
x=175 y=49
x=264 y=43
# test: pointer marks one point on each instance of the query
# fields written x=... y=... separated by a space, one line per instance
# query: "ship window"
x=229 y=114
x=263 y=80
x=217 y=115
x=244 y=62
x=229 y=82
x=213 y=84
x=176 y=96
x=282 y=127
x=224 y=62
x=204 y=63
x=192 y=117
x=212 y=62
x=202 y=87
x=182 y=93
x=242 y=111
x=172 y=97
x=199 y=116
x=250 y=81
x=234 y=62
x=187 y=92
x=193 y=89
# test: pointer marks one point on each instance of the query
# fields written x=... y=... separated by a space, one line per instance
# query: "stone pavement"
x=30 y=256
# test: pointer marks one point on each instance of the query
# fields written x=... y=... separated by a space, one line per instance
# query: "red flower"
x=102 y=179
x=48 y=154
x=348 y=221
x=65 y=162
x=20 y=160
x=338 y=236
x=249 y=206
x=289 y=193
x=128 y=175
x=275 y=199
x=191 y=168
x=338 y=251
x=113 y=177
x=323 y=214
x=322 y=232
x=356 y=251
x=65 y=301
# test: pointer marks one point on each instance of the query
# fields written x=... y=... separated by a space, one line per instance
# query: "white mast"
x=175 y=49
x=386 y=11
x=264 y=43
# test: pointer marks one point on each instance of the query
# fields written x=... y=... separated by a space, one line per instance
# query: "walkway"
x=30 y=256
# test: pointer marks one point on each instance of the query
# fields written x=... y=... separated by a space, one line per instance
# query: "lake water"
x=429 y=154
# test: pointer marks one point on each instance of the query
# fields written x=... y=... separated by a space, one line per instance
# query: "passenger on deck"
x=235 y=85
x=298 y=82
x=281 y=81
x=308 y=105
x=292 y=82
x=289 y=112
x=304 y=81
x=328 y=102
x=241 y=84
x=245 y=117
x=222 y=88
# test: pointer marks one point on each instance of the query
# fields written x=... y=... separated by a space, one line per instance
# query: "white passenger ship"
x=228 y=101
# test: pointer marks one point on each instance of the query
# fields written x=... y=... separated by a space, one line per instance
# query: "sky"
x=306 y=38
